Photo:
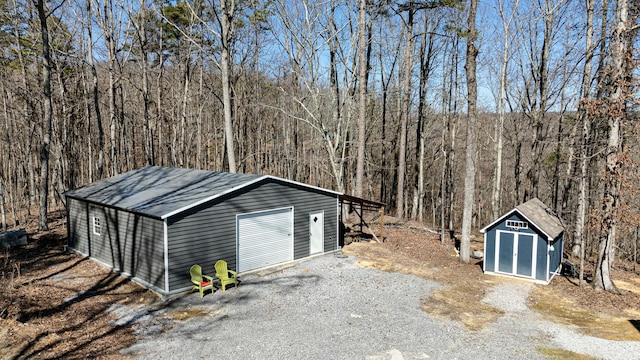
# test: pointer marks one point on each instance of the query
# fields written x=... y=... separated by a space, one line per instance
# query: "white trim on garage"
x=165 y=244
x=244 y=185
x=264 y=238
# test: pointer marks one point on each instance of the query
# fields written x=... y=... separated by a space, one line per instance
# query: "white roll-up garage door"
x=264 y=238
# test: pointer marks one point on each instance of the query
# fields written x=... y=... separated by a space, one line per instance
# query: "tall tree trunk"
x=108 y=29
x=159 y=103
x=47 y=118
x=616 y=113
x=426 y=57
x=141 y=32
x=182 y=153
x=3 y=212
x=95 y=93
x=418 y=194
x=27 y=108
x=226 y=22
x=579 y=236
x=449 y=111
x=497 y=183
x=470 y=156
x=404 y=119
x=362 y=104
x=538 y=113
x=8 y=161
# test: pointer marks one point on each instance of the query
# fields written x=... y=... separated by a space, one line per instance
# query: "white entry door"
x=264 y=238
x=316 y=233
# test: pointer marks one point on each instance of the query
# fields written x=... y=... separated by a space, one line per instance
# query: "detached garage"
x=155 y=222
x=526 y=242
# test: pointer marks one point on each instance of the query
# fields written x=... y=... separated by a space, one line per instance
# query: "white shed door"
x=264 y=238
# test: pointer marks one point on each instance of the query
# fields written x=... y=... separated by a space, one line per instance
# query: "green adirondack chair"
x=223 y=273
x=199 y=282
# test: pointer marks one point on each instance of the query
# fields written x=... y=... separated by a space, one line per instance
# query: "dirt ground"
x=414 y=249
x=55 y=304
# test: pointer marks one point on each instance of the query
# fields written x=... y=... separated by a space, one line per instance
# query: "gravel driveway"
x=329 y=308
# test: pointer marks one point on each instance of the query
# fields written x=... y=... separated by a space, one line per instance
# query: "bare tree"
x=139 y=21
x=304 y=32
x=227 y=33
x=538 y=70
x=616 y=112
x=449 y=114
x=502 y=96
x=428 y=52
x=95 y=95
x=3 y=209
x=362 y=104
x=472 y=134
x=105 y=12
x=404 y=116
x=579 y=236
x=47 y=116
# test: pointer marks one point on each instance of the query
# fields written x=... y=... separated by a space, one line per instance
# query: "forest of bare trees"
x=374 y=98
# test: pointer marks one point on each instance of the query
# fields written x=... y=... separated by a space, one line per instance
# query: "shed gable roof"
x=162 y=191
x=537 y=213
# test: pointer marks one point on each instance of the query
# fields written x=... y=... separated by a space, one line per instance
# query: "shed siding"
x=541 y=265
x=130 y=243
x=490 y=251
x=546 y=262
x=555 y=257
x=207 y=233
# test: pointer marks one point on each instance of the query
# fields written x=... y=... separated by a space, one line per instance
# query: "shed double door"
x=264 y=238
x=515 y=253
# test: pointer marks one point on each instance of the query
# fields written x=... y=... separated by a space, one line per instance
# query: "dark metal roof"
x=539 y=214
x=368 y=204
x=161 y=191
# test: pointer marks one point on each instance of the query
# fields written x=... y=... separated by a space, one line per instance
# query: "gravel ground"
x=329 y=308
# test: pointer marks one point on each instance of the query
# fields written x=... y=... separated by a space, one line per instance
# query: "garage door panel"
x=257 y=260
x=264 y=248
x=264 y=238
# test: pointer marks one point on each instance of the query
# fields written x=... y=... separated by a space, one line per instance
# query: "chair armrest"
x=232 y=272
x=210 y=278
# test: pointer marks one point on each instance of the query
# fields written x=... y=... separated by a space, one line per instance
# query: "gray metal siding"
x=130 y=243
x=207 y=233
x=78 y=226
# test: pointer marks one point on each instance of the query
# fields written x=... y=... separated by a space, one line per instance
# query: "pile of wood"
x=13 y=238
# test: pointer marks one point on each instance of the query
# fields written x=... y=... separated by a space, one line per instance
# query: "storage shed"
x=526 y=242
x=153 y=223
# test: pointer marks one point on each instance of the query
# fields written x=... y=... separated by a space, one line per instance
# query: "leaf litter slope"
x=55 y=304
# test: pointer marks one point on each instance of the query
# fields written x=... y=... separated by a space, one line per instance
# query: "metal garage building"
x=526 y=242
x=155 y=222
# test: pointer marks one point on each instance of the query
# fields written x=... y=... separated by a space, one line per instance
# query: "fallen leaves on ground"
x=414 y=249
x=54 y=304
